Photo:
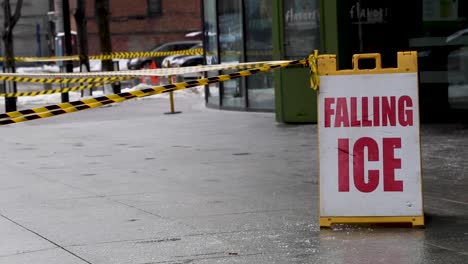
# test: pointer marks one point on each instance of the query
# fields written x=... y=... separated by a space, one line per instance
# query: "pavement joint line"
x=201 y=254
x=184 y=236
x=440 y=209
x=253 y=212
x=27 y=252
x=67 y=185
x=453 y=201
x=448 y=249
x=111 y=200
x=232 y=232
x=105 y=197
x=187 y=258
x=115 y=201
x=445 y=199
x=92 y=196
x=45 y=238
x=75 y=198
x=151 y=213
x=139 y=209
x=112 y=242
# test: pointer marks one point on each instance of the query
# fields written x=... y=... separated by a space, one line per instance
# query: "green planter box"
x=294 y=36
x=295 y=101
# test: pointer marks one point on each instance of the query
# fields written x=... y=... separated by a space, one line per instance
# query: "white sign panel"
x=369 y=145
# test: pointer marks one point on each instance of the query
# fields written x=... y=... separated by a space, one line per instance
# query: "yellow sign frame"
x=327 y=66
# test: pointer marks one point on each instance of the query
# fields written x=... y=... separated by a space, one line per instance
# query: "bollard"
x=86 y=92
x=116 y=87
x=65 y=97
x=171 y=97
x=47 y=86
x=10 y=87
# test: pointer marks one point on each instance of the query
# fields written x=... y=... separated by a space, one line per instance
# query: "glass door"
x=210 y=28
x=231 y=46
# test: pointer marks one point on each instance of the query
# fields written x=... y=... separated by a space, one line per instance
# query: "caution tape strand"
x=88 y=77
x=132 y=55
x=65 y=89
x=63 y=108
x=63 y=80
x=314 y=75
x=110 y=56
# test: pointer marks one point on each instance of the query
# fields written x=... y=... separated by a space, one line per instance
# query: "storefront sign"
x=301 y=28
x=360 y=14
x=293 y=17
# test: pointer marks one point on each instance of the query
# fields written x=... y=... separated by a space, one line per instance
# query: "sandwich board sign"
x=369 y=142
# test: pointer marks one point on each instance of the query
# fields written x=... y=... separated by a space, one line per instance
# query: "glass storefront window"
x=211 y=48
x=241 y=30
x=443 y=60
x=301 y=28
x=231 y=49
x=258 y=38
x=436 y=29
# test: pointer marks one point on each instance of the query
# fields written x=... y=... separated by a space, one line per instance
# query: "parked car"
x=139 y=63
x=458 y=70
x=184 y=61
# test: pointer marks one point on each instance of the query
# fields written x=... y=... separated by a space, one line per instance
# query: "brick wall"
x=133 y=30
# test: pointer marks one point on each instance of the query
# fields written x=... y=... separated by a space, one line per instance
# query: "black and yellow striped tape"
x=63 y=108
x=110 y=56
x=64 y=89
x=89 y=77
x=59 y=80
x=99 y=82
x=132 y=55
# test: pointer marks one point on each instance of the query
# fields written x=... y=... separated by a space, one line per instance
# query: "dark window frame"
x=154 y=8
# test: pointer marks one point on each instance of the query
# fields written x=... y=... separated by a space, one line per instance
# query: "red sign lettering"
x=362 y=112
x=359 y=160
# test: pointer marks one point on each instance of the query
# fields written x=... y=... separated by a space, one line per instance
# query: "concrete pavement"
x=128 y=184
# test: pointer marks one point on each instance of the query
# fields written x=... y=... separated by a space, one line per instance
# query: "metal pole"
x=68 y=44
x=116 y=87
x=171 y=99
x=10 y=21
x=171 y=96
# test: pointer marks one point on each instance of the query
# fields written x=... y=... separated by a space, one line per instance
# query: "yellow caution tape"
x=62 y=80
x=63 y=108
x=314 y=76
x=87 y=77
x=110 y=56
x=132 y=55
x=65 y=89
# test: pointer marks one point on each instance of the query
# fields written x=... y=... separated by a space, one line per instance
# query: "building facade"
x=139 y=25
x=31 y=32
x=255 y=30
x=136 y=25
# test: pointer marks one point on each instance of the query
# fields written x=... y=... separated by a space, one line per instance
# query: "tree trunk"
x=102 y=17
x=9 y=23
x=68 y=42
x=81 y=24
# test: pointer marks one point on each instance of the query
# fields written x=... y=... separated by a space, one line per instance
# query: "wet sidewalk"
x=128 y=184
